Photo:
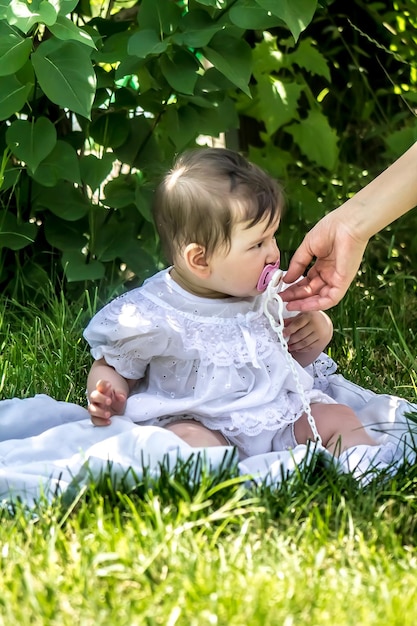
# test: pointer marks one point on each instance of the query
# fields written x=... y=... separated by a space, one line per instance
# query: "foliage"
x=359 y=91
x=97 y=99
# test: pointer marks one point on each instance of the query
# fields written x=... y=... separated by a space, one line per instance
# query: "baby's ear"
x=194 y=256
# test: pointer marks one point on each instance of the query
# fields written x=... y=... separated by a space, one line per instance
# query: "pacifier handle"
x=267 y=274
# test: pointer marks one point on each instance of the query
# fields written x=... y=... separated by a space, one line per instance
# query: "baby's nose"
x=273 y=252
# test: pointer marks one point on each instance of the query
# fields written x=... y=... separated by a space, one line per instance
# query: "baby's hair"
x=206 y=192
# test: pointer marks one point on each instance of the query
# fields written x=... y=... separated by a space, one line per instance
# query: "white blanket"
x=48 y=446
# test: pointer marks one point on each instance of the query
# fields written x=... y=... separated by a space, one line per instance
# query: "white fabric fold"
x=48 y=447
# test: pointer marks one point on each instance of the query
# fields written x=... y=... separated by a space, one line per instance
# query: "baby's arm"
x=308 y=334
x=107 y=392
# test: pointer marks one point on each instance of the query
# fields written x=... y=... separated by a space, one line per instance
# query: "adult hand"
x=338 y=252
x=339 y=239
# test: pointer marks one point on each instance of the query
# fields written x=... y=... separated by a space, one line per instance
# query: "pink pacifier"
x=266 y=276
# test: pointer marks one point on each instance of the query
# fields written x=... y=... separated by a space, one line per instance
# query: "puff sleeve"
x=128 y=332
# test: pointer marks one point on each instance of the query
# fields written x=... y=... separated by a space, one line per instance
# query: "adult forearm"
x=383 y=200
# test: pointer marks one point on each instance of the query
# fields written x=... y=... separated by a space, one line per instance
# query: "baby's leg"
x=338 y=426
x=197 y=435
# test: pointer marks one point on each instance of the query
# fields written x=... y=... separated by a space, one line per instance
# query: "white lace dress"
x=215 y=361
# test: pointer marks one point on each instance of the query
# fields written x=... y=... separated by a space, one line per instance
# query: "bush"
x=96 y=101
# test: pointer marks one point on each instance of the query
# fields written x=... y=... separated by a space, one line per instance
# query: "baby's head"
x=206 y=193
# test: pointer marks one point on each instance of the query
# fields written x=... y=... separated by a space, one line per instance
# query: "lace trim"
x=245 y=422
x=322 y=368
x=233 y=343
x=224 y=342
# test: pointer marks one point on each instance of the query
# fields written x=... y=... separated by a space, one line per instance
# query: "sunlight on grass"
x=158 y=560
x=174 y=551
x=42 y=351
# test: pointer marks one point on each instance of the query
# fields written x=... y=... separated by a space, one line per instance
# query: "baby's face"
x=236 y=272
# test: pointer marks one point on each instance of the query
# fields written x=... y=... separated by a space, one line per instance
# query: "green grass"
x=318 y=551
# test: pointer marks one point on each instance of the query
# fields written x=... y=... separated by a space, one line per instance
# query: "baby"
x=192 y=349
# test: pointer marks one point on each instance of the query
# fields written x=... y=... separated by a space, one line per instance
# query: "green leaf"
x=316 y=139
x=132 y=66
x=220 y=117
x=60 y=164
x=4 y=7
x=15 y=235
x=198 y=30
x=125 y=98
x=250 y=16
x=65 y=235
x=25 y=15
x=296 y=14
x=143 y=201
x=218 y=4
x=64 y=7
x=26 y=75
x=180 y=71
x=13 y=96
x=110 y=129
x=233 y=58
x=77 y=267
x=47 y=13
x=94 y=171
x=307 y=56
x=267 y=59
x=14 y=50
x=105 y=79
x=141 y=149
x=212 y=81
x=66 y=75
x=271 y=159
x=10 y=178
x=305 y=202
x=112 y=238
x=277 y=102
x=117 y=239
x=63 y=200
x=180 y=125
x=21 y=15
x=114 y=49
x=120 y=191
x=145 y=43
x=66 y=30
x=160 y=16
x=399 y=141
x=138 y=260
x=31 y=142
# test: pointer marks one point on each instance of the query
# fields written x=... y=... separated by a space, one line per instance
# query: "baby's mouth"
x=266 y=275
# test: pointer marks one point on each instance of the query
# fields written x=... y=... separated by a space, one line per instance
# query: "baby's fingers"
x=293 y=324
x=99 y=415
x=302 y=344
x=104 y=387
x=100 y=421
x=100 y=399
x=119 y=402
x=99 y=408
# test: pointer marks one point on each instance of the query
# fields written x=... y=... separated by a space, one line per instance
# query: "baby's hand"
x=305 y=331
x=105 y=402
